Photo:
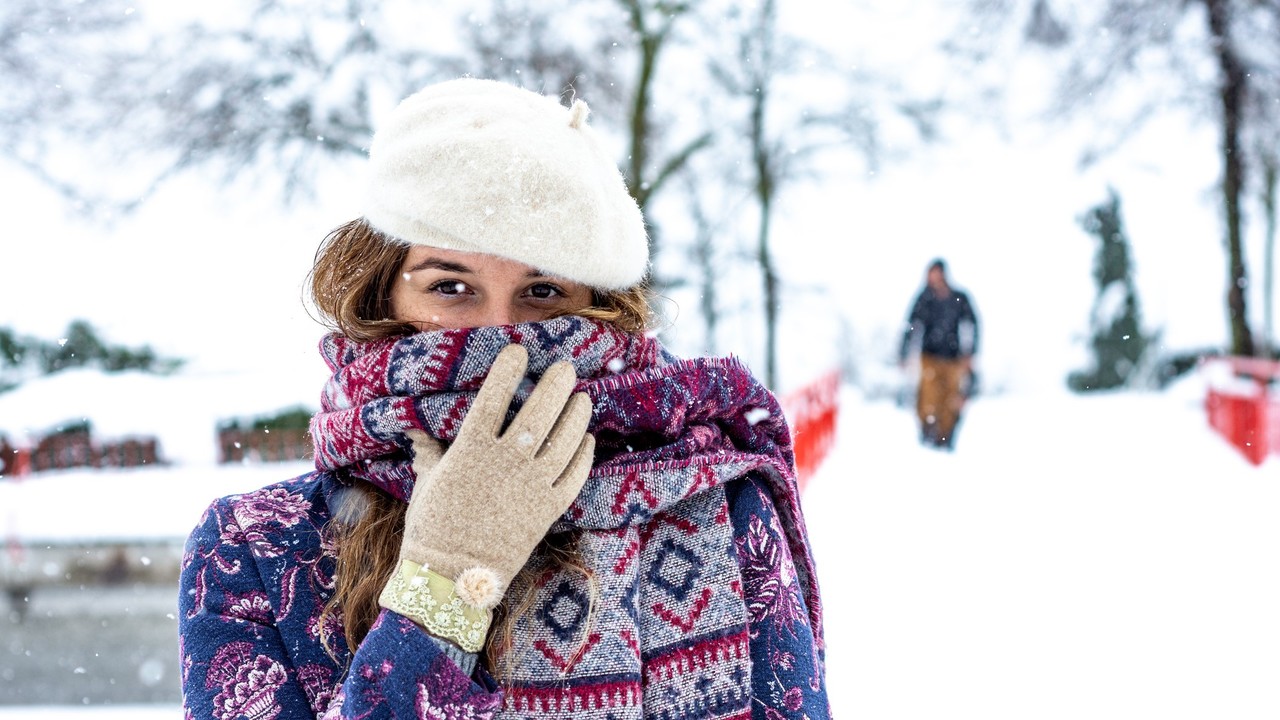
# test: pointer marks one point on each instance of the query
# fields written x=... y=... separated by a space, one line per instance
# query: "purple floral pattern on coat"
x=253 y=607
x=259 y=515
x=769 y=575
x=252 y=693
x=257 y=573
x=443 y=697
x=785 y=683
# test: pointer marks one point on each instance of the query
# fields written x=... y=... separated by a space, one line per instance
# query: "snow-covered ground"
x=124 y=505
x=1102 y=557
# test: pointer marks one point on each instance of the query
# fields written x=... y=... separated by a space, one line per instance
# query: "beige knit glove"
x=479 y=509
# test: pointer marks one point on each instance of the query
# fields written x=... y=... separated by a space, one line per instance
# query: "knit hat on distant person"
x=483 y=166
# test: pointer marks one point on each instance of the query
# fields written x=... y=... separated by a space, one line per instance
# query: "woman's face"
x=439 y=288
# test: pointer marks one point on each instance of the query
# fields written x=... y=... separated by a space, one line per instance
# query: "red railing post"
x=812 y=412
x=1241 y=404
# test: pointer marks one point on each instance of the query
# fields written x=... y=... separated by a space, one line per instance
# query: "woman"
x=523 y=506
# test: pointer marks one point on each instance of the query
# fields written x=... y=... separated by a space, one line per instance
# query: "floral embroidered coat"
x=259 y=568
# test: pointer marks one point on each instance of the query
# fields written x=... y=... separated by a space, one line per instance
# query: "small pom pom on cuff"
x=478 y=587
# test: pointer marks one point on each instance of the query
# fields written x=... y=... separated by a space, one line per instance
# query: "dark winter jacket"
x=946 y=325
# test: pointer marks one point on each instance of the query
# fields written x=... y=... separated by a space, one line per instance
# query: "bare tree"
x=784 y=132
x=1156 y=41
x=48 y=50
x=1270 y=165
x=708 y=229
x=286 y=88
x=278 y=92
x=650 y=163
x=1232 y=89
x=524 y=42
x=768 y=160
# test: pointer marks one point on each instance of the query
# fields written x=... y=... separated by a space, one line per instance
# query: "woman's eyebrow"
x=438 y=264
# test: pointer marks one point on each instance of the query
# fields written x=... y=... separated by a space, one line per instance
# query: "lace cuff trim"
x=430 y=600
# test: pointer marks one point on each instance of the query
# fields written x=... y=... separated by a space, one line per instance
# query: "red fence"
x=281 y=445
x=1243 y=403
x=75 y=449
x=812 y=412
x=13 y=461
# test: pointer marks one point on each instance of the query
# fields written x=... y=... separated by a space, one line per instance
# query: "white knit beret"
x=483 y=166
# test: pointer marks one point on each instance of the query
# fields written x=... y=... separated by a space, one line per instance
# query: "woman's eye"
x=449 y=287
x=544 y=291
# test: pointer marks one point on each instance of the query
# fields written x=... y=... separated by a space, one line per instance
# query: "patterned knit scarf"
x=668 y=613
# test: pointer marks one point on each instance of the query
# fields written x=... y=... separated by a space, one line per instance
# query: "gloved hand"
x=480 y=508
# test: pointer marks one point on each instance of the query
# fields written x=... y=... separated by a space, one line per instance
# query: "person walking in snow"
x=944 y=328
x=523 y=505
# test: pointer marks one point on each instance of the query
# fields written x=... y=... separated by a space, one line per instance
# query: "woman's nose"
x=499 y=314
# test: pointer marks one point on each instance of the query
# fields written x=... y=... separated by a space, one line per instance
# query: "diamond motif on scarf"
x=565 y=611
x=675 y=570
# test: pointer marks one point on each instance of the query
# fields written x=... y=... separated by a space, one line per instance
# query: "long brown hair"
x=350 y=283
